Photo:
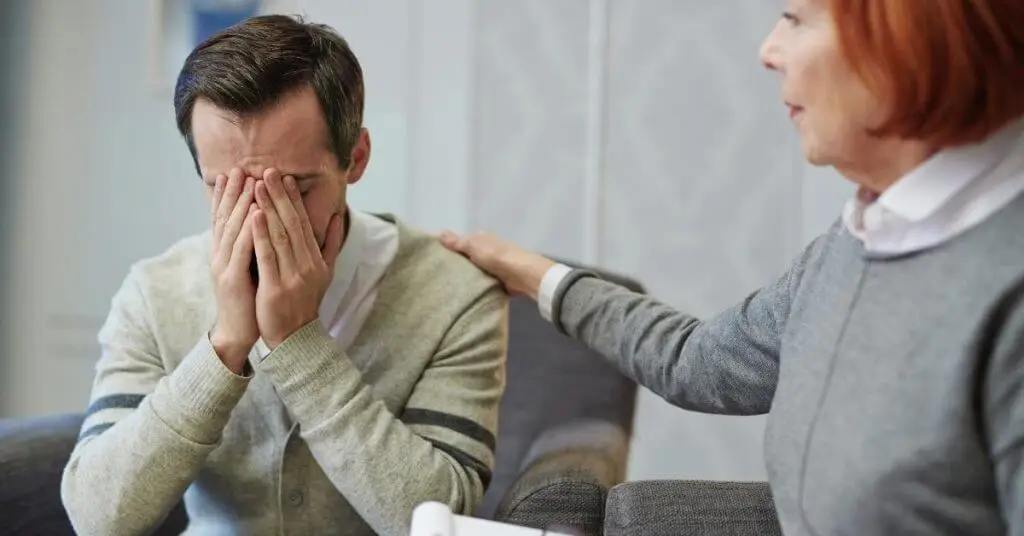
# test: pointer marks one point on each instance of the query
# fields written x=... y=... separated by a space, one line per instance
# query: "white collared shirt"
x=370 y=246
x=949 y=193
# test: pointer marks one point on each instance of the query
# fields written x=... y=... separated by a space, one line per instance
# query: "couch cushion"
x=33 y=453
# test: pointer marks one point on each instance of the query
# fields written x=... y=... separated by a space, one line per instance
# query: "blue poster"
x=212 y=16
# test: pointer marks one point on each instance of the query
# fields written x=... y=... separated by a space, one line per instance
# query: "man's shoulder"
x=169 y=293
x=180 y=262
x=422 y=259
x=178 y=276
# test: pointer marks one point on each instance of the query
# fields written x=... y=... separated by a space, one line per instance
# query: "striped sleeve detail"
x=123 y=401
x=465 y=460
x=455 y=423
x=449 y=433
x=94 y=431
x=104 y=411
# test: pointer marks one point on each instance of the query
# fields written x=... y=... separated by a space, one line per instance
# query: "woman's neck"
x=889 y=161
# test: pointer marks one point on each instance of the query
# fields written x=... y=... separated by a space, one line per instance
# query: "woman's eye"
x=791 y=18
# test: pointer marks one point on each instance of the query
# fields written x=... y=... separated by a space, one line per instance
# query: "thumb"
x=332 y=242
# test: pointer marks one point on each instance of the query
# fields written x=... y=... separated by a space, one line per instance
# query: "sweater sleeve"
x=727 y=364
x=440 y=449
x=146 y=432
x=1003 y=395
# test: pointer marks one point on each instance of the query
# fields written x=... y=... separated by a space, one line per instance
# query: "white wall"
x=639 y=136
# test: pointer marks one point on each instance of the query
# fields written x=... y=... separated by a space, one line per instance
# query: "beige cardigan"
x=317 y=440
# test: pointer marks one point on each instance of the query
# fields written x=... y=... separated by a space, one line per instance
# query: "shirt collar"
x=344 y=266
x=925 y=190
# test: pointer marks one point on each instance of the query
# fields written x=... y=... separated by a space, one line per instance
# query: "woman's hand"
x=519 y=270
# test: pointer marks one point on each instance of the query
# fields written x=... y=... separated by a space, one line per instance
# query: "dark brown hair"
x=952 y=71
x=249 y=67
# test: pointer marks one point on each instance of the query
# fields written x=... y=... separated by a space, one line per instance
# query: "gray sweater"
x=894 y=385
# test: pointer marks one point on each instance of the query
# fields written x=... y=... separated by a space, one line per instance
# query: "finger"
x=285 y=208
x=278 y=234
x=218 y=192
x=450 y=240
x=241 y=253
x=235 y=222
x=266 y=257
x=232 y=189
x=459 y=244
x=332 y=244
x=295 y=196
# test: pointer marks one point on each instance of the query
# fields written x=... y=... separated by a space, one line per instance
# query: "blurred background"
x=641 y=136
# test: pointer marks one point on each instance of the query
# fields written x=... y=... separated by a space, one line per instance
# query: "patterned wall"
x=700 y=191
x=529 y=122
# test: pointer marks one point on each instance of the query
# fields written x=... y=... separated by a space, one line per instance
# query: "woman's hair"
x=950 y=71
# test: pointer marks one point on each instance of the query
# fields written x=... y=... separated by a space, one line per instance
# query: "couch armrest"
x=33 y=453
x=566 y=477
x=690 y=508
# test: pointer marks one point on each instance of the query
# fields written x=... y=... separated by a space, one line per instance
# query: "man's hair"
x=247 y=69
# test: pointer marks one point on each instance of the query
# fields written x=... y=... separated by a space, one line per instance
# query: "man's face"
x=290 y=137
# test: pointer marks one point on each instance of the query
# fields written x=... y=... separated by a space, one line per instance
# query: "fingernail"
x=289 y=182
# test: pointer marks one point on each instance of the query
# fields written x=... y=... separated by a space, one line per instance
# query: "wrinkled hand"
x=294 y=272
x=232 y=209
x=519 y=270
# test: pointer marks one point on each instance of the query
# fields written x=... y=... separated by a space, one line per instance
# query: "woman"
x=890 y=357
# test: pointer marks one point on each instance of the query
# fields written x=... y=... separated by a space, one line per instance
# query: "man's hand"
x=294 y=272
x=236 y=330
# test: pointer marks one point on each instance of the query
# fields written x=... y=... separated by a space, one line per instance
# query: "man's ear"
x=360 y=157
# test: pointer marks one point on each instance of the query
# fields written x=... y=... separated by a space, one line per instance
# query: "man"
x=302 y=368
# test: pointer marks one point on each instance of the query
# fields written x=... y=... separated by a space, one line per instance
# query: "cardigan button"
x=295 y=498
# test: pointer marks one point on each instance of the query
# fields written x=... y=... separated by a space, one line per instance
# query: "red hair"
x=951 y=71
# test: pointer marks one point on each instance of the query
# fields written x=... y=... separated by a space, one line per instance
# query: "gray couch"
x=562 y=442
x=691 y=508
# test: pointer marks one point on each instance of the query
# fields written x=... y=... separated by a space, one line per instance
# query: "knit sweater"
x=894 y=385
x=316 y=440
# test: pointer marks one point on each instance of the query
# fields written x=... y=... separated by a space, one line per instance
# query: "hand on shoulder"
x=519 y=270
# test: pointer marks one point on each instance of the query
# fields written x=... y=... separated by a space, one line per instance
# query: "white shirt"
x=369 y=248
x=951 y=192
